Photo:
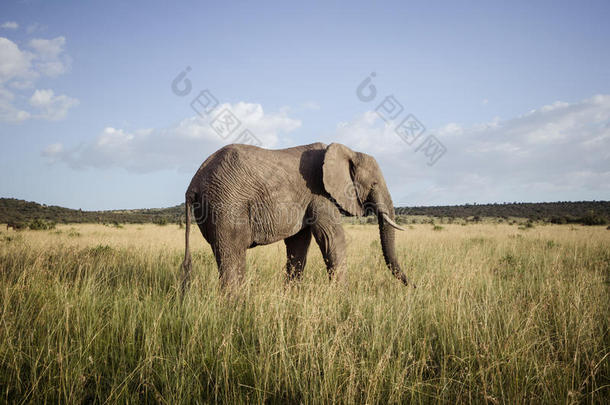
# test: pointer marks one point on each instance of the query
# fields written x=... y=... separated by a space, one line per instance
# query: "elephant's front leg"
x=329 y=235
x=296 y=253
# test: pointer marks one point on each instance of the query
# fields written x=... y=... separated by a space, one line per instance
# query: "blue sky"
x=518 y=95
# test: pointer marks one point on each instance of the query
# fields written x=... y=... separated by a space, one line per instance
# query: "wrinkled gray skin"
x=244 y=196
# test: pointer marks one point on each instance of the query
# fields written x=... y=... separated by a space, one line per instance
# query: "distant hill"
x=13 y=210
x=552 y=211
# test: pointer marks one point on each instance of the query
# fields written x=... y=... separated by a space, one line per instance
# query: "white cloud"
x=53 y=152
x=52 y=107
x=556 y=152
x=35 y=27
x=311 y=105
x=19 y=71
x=559 y=151
x=182 y=146
x=8 y=112
x=50 y=57
x=53 y=149
x=14 y=63
x=10 y=25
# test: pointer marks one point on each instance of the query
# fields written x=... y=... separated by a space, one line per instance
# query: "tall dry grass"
x=500 y=315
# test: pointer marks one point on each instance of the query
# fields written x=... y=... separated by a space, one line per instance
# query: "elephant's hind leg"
x=231 y=265
x=296 y=254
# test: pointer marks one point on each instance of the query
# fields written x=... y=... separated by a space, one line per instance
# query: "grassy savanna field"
x=500 y=315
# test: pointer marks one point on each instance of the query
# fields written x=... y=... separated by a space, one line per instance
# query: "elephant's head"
x=356 y=183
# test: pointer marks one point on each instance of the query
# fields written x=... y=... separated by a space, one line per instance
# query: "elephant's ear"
x=338 y=172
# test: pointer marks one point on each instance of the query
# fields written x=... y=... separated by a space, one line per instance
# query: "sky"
x=115 y=104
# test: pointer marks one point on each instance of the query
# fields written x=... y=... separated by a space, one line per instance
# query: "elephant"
x=244 y=196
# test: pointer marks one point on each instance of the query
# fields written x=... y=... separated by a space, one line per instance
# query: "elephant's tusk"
x=386 y=218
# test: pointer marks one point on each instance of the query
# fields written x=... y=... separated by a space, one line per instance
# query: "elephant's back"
x=236 y=169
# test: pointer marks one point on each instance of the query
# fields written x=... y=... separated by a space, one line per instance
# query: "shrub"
x=559 y=220
x=591 y=218
x=160 y=221
x=98 y=250
x=41 y=225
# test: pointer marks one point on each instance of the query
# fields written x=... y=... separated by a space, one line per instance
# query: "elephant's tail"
x=187 y=264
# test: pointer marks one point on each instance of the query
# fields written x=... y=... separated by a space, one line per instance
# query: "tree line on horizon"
x=22 y=213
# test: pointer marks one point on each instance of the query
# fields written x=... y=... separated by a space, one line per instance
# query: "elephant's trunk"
x=385 y=208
